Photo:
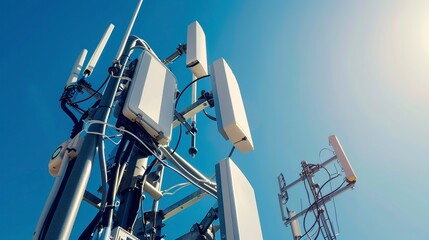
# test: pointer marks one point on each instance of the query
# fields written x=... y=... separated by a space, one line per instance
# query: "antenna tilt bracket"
x=191 y=129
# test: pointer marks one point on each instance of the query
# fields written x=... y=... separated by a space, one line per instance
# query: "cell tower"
x=139 y=104
x=318 y=206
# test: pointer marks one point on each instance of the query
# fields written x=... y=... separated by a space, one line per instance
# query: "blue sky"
x=307 y=70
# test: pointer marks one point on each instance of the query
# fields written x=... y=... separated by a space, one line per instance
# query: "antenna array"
x=322 y=226
x=139 y=103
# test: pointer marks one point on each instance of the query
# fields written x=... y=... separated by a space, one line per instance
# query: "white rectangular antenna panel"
x=230 y=113
x=342 y=159
x=238 y=211
x=151 y=96
x=196 y=51
x=121 y=234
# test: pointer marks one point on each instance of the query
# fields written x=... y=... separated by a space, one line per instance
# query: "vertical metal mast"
x=145 y=93
x=318 y=205
x=320 y=211
x=62 y=214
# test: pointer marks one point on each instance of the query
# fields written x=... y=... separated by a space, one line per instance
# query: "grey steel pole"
x=65 y=209
x=325 y=200
x=309 y=175
x=301 y=178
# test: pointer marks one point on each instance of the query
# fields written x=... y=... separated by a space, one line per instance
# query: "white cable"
x=91 y=122
x=103 y=169
x=122 y=78
x=324 y=149
x=144 y=47
x=180 y=185
x=184 y=169
x=121 y=130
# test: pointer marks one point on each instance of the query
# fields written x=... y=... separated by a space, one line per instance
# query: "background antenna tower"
x=322 y=224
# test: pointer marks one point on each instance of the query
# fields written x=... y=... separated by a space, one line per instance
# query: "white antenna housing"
x=230 y=113
x=77 y=68
x=342 y=159
x=151 y=96
x=239 y=216
x=296 y=231
x=196 y=51
x=100 y=47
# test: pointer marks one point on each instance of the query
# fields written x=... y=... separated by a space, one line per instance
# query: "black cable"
x=144 y=177
x=327 y=195
x=318 y=230
x=324 y=184
x=68 y=112
x=209 y=116
x=184 y=89
x=93 y=94
x=178 y=140
x=324 y=204
x=321 y=200
x=305 y=216
x=164 y=163
x=312 y=226
x=77 y=128
x=175 y=107
x=231 y=152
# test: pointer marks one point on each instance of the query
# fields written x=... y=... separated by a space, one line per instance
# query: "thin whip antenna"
x=97 y=53
x=127 y=33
